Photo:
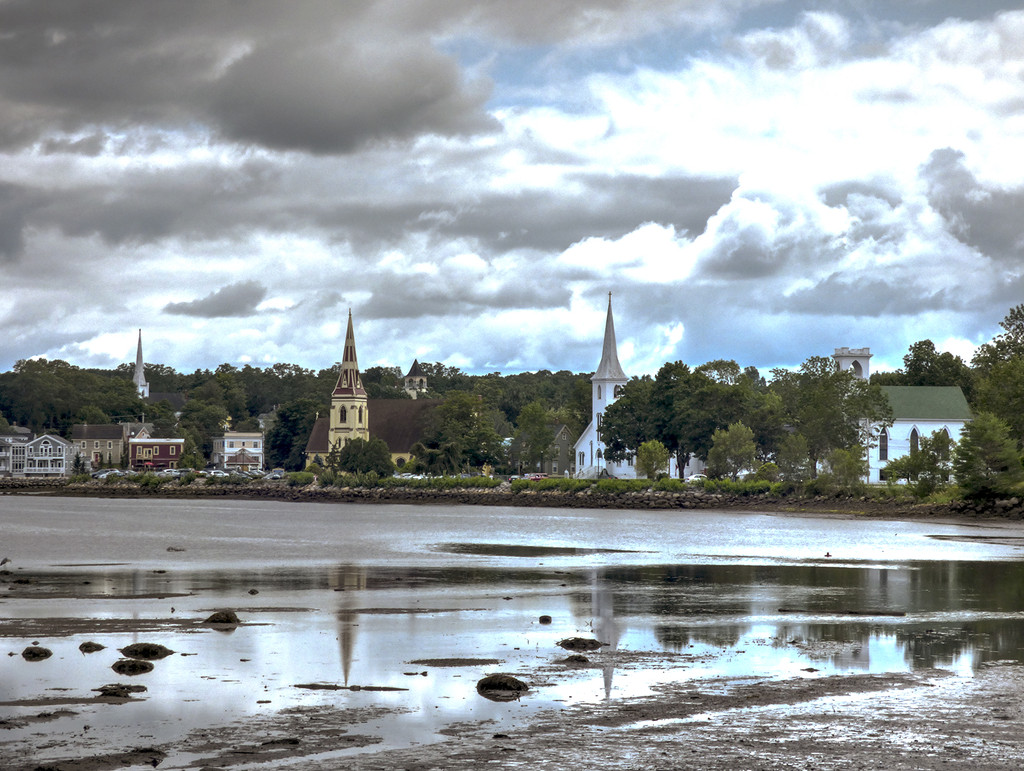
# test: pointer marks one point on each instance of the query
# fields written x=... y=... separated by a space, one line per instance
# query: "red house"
x=146 y=453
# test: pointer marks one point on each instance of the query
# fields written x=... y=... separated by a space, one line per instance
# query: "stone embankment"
x=503 y=495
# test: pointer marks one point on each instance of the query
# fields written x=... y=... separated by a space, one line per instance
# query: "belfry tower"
x=349 y=416
x=140 y=376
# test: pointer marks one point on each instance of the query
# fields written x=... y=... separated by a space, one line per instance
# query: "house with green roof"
x=918 y=411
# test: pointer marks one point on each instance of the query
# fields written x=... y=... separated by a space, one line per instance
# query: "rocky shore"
x=503 y=495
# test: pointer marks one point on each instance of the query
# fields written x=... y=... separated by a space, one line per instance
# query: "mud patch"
x=455 y=662
x=524 y=550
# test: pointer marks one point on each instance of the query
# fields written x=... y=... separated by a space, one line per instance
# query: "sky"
x=757 y=180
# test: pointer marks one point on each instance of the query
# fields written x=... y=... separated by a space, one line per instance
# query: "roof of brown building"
x=83 y=431
x=399 y=422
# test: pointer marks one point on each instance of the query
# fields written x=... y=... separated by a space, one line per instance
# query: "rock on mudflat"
x=146 y=651
x=90 y=647
x=223 y=617
x=501 y=687
x=580 y=644
x=36 y=653
x=131 y=667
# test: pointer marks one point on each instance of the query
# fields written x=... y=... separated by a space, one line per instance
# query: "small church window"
x=617 y=391
x=599 y=455
x=342 y=414
x=360 y=416
x=583 y=458
x=915 y=441
x=883 y=445
x=598 y=390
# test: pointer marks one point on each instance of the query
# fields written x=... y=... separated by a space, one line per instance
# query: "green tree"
x=847 y=467
x=732 y=451
x=651 y=459
x=1007 y=345
x=286 y=441
x=831 y=408
x=926 y=469
x=1001 y=392
x=361 y=456
x=793 y=459
x=629 y=421
x=535 y=434
x=985 y=460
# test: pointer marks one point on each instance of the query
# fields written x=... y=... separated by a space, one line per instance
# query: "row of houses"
x=23 y=454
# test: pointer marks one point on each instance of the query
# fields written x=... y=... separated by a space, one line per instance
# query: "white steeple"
x=140 y=376
x=609 y=368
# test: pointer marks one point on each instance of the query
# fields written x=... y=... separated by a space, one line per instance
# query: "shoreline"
x=696 y=499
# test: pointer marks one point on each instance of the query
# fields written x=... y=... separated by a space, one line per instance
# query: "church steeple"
x=349 y=382
x=140 y=376
x=609 y=368
x=350 y=417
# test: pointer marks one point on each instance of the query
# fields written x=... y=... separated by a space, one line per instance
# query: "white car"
x=696 y=478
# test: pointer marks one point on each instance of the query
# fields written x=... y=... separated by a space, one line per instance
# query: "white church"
x=606 y=385
x=918 y=411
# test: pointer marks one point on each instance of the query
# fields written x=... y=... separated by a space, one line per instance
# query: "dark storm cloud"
x=856 y=295
x=590 y=206
x=238 y=299
x=411 y=296
x=16 y=204
x=989 y=220
x=310 y=75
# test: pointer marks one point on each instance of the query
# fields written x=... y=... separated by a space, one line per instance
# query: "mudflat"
x=183 y=635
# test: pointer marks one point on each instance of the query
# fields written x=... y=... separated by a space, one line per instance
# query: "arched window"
x=599 y=455
x=944 y=447
x=883 y=445
x=600 y=419
x=598 y=390
x=915 y=441
x=617 y=391
x=583 y=458
x=360 y=416
x=342 y=414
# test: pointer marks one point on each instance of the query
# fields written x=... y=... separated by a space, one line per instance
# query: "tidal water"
x=351 y=594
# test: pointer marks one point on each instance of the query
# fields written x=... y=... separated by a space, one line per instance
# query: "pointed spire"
x=140 y=375
x=609 y=368
x=349 y=382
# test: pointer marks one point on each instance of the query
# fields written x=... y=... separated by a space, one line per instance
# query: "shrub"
x=300 y=478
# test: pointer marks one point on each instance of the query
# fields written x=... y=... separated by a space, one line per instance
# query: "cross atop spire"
x=609 y=368
x=349 y=382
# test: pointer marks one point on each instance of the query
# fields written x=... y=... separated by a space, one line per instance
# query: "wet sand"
x=473 y=605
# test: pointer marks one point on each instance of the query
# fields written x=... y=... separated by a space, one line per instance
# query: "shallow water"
x=351 y=594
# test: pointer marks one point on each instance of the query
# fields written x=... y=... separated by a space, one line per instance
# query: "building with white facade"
x=918 y=411
x=238 y=451
x=605 y=387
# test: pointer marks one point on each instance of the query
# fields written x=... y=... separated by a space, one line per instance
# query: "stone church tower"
x=349 y=414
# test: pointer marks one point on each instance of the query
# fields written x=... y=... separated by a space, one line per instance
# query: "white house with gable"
x=918 y=411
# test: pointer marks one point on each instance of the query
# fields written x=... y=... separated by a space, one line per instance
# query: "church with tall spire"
x=349 y=417
x=140 y=376
x=605 y=386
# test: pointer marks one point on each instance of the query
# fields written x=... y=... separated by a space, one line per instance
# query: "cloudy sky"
x=758 y=180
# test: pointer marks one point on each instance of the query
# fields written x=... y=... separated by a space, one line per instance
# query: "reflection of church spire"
x=606 y=629
x=341 y=578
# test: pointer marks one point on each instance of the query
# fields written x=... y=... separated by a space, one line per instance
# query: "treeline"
x=802 y=420
x=52 y=396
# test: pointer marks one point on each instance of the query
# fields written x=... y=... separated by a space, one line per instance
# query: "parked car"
x=696 y=477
